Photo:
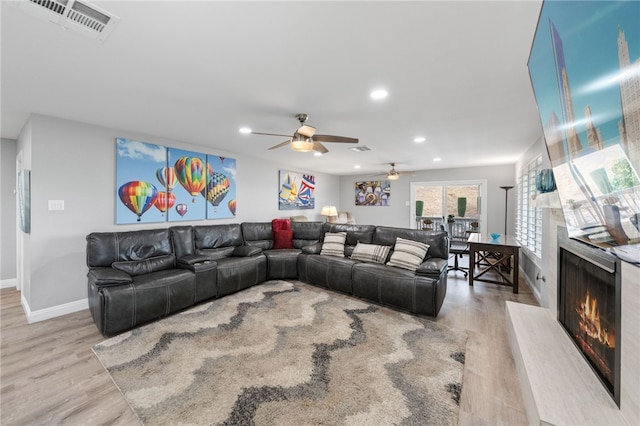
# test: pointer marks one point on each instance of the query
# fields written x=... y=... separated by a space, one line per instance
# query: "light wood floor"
x=49 y=375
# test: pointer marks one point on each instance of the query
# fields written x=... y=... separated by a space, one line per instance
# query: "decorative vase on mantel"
x=545 y=182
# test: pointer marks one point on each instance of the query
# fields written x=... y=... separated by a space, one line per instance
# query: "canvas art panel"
x=190 y=190
x=137 y=183
x=296 y=191
x=373 y=193
x=220 y=191
x=158 y=184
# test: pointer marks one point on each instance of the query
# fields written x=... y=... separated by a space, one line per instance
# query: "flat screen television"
x=584 y=67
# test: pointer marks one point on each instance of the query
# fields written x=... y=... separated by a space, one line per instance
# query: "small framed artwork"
x=373 y=193
x=296 y=191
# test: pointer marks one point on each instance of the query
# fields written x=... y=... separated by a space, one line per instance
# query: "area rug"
x=287 y=353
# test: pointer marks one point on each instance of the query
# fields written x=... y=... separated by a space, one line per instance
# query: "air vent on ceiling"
x=360 y=148
x=78 y=16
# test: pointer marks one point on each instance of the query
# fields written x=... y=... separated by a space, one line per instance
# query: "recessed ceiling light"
x=245 y=130
x=379 y=94
x=419 y=139
x=357 y=166
x=436 y=159
x=317 y=154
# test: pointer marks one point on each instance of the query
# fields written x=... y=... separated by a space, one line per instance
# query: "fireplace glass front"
x=589 y=309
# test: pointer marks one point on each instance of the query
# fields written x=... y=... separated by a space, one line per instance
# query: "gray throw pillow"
x=408 y=254
x=372 y=253
x=333 y=244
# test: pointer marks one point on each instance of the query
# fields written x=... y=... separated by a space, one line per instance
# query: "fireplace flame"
x=590 y=324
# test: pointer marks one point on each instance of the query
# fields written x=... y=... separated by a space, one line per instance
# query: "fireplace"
x=589 y=307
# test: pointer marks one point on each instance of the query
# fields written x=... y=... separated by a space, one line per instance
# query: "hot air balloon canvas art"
x=296 y=191
x=191 y=180
x=220 y=189
x=157 y=184
x=139 y=194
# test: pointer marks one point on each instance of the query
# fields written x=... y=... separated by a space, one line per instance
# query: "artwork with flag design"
x=296 y=191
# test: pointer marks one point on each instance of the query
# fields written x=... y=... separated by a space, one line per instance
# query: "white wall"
x=399 y=213
x=8 y=149
x=75 y=162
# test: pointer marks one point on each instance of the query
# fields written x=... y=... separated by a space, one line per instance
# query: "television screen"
x=585 y=72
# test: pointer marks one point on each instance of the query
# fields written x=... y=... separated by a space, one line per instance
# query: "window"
x=462 y=199
x=529 y=218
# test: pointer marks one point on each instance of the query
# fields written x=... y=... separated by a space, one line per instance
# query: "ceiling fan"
x=304 y=139
x=395 y=175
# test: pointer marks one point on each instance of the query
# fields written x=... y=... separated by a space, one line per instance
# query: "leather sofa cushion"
x=306 y=233
x=333 y=244
x=355 y=233
x=437 y=240
x=258 y=234
x=246 y=251
x=108 y=276
x=217 y=253
x=372 y=253
x=408 y=254
x=182 y=240
x=217 y=236
x=104 y=248
x=146 y=266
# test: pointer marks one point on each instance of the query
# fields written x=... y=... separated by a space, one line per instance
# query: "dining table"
x=494 y=260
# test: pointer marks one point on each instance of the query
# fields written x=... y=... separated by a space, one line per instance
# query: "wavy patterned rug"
x=287 y=353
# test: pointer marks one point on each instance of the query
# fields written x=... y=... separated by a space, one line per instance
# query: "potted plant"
x=462 y=206
x=450 y=218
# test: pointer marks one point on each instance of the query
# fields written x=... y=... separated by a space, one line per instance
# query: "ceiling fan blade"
x=306 y=130
x=270 y=134
x=331 y=138
x=318 y=147
x=280 y=145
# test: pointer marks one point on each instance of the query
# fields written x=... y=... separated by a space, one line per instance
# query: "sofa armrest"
x=432 y=267
x=312 y=249
x=105 y=277
x=246 y=251
x=185 y=262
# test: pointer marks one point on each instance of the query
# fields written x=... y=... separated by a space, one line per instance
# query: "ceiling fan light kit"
x=305 y=139
x=302 y=145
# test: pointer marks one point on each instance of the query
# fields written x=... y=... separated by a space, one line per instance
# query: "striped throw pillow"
x=408 y=254
x=333 y=244
x=371 y=253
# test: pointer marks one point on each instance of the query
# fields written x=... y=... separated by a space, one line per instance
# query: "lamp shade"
x=329 y=211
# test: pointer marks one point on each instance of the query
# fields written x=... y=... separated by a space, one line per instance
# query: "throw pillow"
x=371 y=253
x=333 y=244
x=283 y=239
x=408 y=254
x=280 y=224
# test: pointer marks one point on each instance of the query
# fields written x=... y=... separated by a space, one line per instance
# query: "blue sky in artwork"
x=589 y=33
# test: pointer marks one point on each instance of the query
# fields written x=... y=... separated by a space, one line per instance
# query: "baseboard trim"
x=54 y=311
x=11 y=282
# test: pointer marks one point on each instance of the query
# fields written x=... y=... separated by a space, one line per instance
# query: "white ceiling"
x=196 y=72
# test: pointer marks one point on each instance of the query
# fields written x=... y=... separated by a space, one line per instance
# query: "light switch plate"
x=56 y=204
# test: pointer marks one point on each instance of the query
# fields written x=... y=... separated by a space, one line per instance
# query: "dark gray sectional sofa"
x=140 y=276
